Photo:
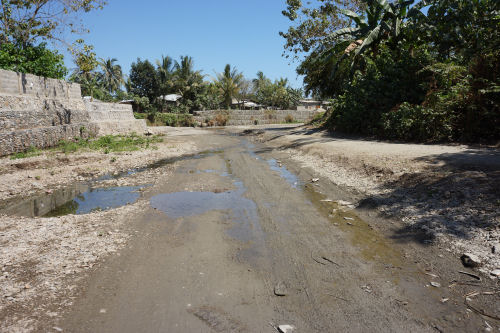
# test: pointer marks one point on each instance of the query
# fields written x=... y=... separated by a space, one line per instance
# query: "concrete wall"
x=39 y=112
x=13 y=83
x=250 y=117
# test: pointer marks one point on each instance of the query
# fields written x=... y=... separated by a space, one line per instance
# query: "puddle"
x=291 y=178
x=83 y=198
x=243 y=211
x=77 y=199
x=373 y=246
x=98 y=199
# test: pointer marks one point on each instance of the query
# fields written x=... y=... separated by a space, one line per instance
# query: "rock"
x=315 y=180
x=280 y=289
x=495 y=272
x=286 y=328
x=435 y=284
x=495 y=248
x=470 y=260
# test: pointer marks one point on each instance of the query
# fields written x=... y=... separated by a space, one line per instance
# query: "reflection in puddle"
x=98 y=199
x=184 y=204
x=284 y=173
x=77 y=199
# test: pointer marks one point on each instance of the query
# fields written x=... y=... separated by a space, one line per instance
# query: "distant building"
x=245 y=104
x=309 y=104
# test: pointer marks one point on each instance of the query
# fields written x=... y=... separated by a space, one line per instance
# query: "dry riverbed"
x=390 y=264
x=445 y=195
x=42 y=259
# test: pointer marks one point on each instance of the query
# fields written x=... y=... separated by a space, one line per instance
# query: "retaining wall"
x=39 y=112
x=251 y=117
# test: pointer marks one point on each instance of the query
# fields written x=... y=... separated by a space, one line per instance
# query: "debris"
x=348 y=218
x=102 y=311
x=344 y=203
x=435 y=284
x=349 y=223
x=471 y=275
x=495 y=272
x=57 y=329
x=367 y=288
x=479 y=311
x=432 y=275
x=327 y=200
x=280 y=289
x=329 y=260
x=470 y=260
x=444 y=300
x=286 y=328
x=495 y=248
x=314 y=180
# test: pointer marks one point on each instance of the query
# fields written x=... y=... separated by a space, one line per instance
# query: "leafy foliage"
x=37 y=60
x=24 y=22
x=397 y=73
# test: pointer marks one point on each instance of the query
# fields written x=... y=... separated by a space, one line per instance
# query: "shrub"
x=417 y=123
x=37 y=60
x=289 y=119
x=173 y=119
x=138 y=115
x=221 y=119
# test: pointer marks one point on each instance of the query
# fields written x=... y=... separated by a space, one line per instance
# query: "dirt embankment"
x=440 y=193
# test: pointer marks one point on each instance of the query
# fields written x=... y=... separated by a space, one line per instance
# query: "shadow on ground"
x=459 y=195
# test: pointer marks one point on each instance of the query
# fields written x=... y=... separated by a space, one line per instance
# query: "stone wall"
x=251 y=117
x=113 y=118
x=39 y=112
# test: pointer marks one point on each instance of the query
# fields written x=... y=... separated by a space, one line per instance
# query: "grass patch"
x=30 y=152
x=110 y=143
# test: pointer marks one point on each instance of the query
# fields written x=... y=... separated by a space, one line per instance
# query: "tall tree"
x=86 y=62
x=112 y=76
x=229 y=83
x=313 y=21
x=188 y=82
x=24 y=22
x=144 y=80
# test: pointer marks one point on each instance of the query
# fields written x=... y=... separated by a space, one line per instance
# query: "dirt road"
x=239 y=239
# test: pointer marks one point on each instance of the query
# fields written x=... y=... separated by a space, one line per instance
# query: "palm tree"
x=112 y=76
x=229 y=83
x=165 y=68
x=260 y=81
x=185 y=76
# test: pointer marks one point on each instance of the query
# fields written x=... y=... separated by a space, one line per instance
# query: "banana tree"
x=381 y=21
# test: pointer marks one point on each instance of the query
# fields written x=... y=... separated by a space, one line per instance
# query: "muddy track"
x=238 y=239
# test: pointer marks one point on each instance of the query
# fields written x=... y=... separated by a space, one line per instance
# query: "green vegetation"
x=396 y=72
x=110 y=143
x=26 y=26
x=37 y=60
x=172 y=119
x=30 y=152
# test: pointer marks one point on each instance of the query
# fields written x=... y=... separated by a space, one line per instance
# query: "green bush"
x=417 y=123
x=37 y=60
x=138 y=115
x=173 y=119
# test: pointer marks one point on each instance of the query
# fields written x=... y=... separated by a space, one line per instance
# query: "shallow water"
x=291 y=178
x=98 y=199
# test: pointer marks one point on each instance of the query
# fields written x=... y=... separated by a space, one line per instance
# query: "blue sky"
x=243 y=33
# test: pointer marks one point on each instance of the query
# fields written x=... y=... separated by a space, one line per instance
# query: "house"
x=245 y=104
x=310 y=104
